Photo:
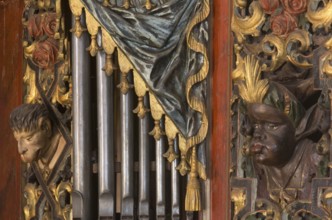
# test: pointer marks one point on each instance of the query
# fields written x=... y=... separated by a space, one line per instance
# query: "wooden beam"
x=221 y=121
x=11 y=76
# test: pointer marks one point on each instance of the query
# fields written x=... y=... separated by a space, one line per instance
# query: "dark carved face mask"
x=273 y=141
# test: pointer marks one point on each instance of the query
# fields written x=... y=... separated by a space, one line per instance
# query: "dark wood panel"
x=10 y=96
x=221 y=84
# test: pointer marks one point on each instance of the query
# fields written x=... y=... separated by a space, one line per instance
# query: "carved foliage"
x=291 y=41
x=48 y=82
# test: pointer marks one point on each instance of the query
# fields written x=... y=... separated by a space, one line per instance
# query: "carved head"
x=273 y=138
x=32 y=129
x=274 y=114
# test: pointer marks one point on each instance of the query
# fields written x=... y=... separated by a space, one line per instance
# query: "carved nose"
x=21 y=149
x=258 y=134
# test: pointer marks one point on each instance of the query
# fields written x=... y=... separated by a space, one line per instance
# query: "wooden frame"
x=221 y=92
x=10 y=97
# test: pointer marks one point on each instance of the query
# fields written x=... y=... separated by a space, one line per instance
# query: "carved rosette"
x=291 y=41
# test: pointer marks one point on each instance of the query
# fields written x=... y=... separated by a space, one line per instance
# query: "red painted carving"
x=294 y=7
x=42 y=24
x=46 y=53
x=269 y=6
x=283 y=23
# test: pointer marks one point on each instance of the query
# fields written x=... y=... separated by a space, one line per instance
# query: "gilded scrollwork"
x=299 y=41
x=319 y=14
x=248 y=25
x=292 y=68
x=40 y=125
x=274 y=47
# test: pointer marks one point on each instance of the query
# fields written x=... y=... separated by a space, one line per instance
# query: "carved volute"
x=281 y=121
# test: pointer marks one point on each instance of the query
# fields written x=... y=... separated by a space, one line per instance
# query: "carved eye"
x=255 y=126
x=28 y=138
x=272 y=126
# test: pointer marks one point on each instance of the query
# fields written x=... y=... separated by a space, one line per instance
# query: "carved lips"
x=46 y=53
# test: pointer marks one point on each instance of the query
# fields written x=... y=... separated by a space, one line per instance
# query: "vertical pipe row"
x=127 y=154
x=81 y=127
x=105 y=138
x=144 y=166
x=160 y=177
x=175 y=185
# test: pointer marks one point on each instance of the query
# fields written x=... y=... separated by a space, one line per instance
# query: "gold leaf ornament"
x=298 y=41
x=273 y=46
x=319 y=13
x=253 y=89
x=248 y=25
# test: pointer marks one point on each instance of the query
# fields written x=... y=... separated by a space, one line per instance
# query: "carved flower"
x=283 y=23
x=42 y=24
x=34 y=26
x=46 y=53
x=49 y=24
x=269 y=6
x=295 y=7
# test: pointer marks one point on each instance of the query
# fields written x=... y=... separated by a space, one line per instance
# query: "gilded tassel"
x=109 y=67
x=193 y=196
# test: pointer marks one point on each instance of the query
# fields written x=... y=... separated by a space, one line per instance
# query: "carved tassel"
x=170 y=155
x=157 y=132
x=140 y=110
x=93 y=48
x=193 y=196
x=78 y=29
x=183 y=166
x=109 y=67
x=124 y=85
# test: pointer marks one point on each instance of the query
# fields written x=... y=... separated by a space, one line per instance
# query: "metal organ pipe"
x=81 y=127
x=105 y=138
x=160 y=177
x=127 y=155
x=144 y=166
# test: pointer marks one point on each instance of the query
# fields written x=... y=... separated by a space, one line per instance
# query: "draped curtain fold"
x=155 y=43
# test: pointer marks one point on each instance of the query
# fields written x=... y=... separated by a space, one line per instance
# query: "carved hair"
x=25 y=117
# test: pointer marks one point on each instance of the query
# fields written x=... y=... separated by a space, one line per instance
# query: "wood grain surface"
x=10 y=97
x=221 y=84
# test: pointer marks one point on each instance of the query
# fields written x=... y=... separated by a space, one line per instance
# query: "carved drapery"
x=282 y=54
x=47 y=79
x=158 y=41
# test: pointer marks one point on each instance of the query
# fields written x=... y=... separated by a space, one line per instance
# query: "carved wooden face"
x=273 y=141
x=32 y=144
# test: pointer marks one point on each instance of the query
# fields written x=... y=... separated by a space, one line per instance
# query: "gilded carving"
x=147 y=49
x=281 y=122
x=40 y=125
x=247 y=25
x=37 y=137
x=319 y=14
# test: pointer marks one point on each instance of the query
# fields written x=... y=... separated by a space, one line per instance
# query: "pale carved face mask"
x=32 y=144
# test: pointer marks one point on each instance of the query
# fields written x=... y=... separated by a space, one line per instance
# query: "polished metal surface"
x=105 y=137
x=127 y=155
x=81 y=127
x=160 y=178
x=175 y=184
x=144 y=166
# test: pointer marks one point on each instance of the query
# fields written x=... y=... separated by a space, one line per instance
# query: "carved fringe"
x=193 y=195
